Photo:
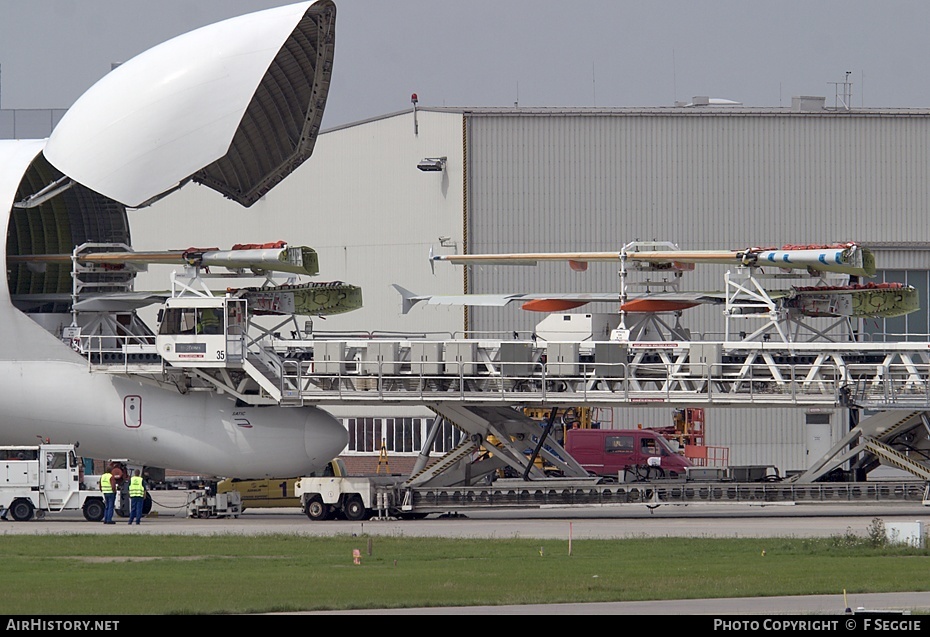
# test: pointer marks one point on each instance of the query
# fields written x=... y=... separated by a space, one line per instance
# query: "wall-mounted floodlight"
x=432 y=164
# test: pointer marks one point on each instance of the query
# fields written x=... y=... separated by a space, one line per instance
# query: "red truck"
x=625 y=454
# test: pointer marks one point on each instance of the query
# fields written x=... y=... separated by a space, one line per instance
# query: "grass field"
x=192 y=575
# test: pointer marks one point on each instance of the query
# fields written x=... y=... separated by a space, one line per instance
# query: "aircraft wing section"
x=883 y=300
x=235 y=105
x=561 y=301
x=848 y=258
x=860 y=301
x=527 y=258
x=274 y=257
x=844 y=258
x=491 y=300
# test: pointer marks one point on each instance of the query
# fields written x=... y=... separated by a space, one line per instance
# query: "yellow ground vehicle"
x=272 y=492
x=570 y=418
x=565 y=418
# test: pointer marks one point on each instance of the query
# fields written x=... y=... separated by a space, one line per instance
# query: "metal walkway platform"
x=477 y=372
x=476 y=384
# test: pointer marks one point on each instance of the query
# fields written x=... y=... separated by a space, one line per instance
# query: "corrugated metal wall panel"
x=771 y=436
x=29 y=123
x=765 y=436
x=594 y=183
x=752 y=436
x=904 y=259
x=770 y=179
x=716 y=181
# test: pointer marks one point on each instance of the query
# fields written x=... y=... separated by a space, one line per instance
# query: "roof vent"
x=704 y=100
x=807 y=104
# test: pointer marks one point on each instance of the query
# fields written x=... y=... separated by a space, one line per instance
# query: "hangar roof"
x=651 y=111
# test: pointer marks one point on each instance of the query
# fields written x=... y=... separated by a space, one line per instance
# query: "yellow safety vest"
x=209 y=322
x=105 y=485
x=136 y=490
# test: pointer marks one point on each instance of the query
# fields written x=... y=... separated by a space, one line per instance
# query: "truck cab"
x=43 y=478
x=202 y=331
x=625 y=453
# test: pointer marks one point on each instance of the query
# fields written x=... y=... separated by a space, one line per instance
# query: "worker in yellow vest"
x=136 y=497
x=109 y=496
x=209 y=322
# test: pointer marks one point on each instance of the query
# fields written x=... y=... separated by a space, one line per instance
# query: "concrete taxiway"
x=169 y=516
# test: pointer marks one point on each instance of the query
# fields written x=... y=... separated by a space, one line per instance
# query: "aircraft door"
x=132 y=411
x=236 y=329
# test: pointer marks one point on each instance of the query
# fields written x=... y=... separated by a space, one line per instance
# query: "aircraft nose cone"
x=324 y=437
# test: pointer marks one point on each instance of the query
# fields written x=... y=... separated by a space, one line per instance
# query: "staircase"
x=266 y=377
x=890 y=456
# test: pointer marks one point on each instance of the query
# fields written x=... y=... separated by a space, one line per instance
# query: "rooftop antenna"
x=594 y=84
x=843 y=93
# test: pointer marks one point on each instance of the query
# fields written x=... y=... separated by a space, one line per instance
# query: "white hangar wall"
x=555 y=180
x=361 y=202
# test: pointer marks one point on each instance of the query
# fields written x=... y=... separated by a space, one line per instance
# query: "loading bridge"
x=320 y=371
x=475 y=384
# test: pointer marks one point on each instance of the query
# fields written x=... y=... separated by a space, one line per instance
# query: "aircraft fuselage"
x=112 y=416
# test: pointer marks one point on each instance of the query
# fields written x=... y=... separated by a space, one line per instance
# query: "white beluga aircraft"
x=235 y=106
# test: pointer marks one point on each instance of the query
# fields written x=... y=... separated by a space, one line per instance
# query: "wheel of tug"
x=317 y=510
x=354 y=509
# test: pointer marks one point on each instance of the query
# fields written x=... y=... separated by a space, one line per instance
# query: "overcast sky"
x=497 y=52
